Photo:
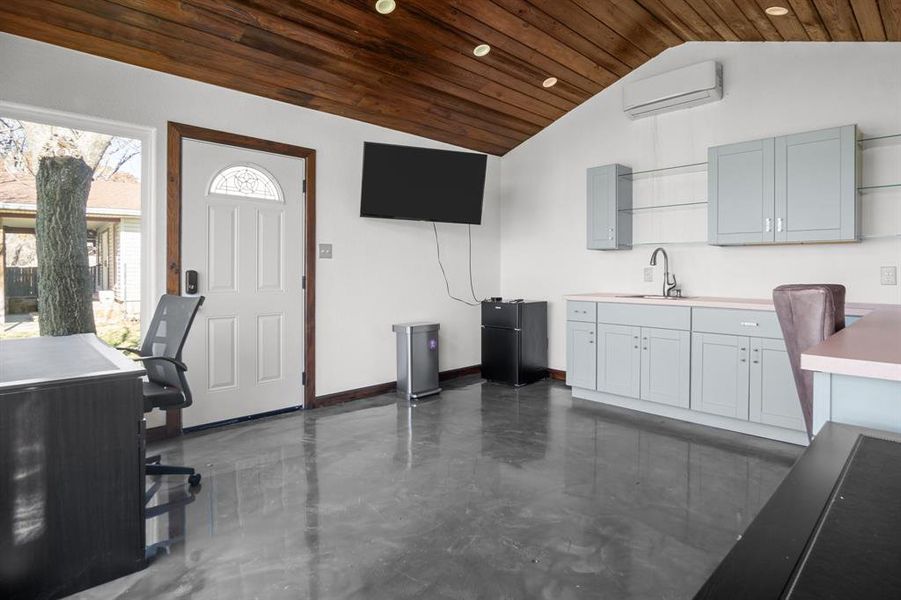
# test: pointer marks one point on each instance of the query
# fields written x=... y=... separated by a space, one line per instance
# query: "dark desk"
x=829 y=531
x=71 y=466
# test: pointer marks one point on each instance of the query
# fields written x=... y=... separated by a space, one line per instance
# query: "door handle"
x=779 y=223
x=768 y=224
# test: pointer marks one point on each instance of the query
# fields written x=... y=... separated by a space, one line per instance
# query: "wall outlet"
x=888 y=275
x=325 y=250
x=649 y=273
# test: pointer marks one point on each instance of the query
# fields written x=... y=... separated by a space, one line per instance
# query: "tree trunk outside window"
x=64 y=281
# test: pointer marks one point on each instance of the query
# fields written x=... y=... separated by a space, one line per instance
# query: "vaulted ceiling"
x=414 y=69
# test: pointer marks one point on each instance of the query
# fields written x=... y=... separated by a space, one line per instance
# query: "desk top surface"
x=49 y=360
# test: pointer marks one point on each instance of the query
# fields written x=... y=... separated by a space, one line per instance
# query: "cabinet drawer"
x=729 y=321
x=645 y=315
x=581 y=311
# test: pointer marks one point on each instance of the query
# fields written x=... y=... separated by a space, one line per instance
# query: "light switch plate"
x=649 y=273
x=888 y=275
x=325 y=250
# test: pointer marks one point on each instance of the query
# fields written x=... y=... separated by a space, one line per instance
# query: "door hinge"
x=303 y=378
x=303 y=282
x=304 y=186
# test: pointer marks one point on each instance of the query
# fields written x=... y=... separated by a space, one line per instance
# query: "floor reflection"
x=483 y=492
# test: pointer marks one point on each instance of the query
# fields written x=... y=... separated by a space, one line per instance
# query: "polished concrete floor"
x=483 y=492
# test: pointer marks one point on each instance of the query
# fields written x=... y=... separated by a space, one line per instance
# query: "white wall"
x=770 y=89
x=532 y=244
x=382 y=272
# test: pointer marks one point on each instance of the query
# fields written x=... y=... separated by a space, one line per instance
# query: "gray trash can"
x=417 y=359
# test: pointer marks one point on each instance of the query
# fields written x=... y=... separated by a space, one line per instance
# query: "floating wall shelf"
x=673 y=170
x=880 y=140
x=656 y=206
x=884 y=186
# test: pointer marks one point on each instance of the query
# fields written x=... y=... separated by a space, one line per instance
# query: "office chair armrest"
x=128 y=349
x=178 y=364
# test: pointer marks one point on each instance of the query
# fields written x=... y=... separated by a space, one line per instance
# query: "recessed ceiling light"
x=385 y=6
x=777 y=11
x=549 y=82
x=481 y=50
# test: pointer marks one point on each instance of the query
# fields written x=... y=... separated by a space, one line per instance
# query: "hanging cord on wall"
x=444 y=273
x=472 y=288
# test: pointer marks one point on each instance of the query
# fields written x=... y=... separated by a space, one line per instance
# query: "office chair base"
x=157 y=469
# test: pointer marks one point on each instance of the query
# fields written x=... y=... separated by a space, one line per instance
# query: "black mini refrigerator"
x=514 y=341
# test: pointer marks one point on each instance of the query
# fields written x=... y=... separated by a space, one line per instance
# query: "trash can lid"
x=414 y=327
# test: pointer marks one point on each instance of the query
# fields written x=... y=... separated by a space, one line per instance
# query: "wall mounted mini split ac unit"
x=675 y=90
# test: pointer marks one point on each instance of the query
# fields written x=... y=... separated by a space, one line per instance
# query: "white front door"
x=242 y=232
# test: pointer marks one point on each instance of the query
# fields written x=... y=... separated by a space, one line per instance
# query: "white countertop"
x=871 y=347
x=856 y=309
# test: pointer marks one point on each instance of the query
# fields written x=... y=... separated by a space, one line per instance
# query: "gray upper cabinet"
x=719 y=374
x=581 y=355
x=609 y=201
x=619 y=360
x=816 y=186
x=665 y=366
x=794 y=188
x=740 y=194
x=774 y=398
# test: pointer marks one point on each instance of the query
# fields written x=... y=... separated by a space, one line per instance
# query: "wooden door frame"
x=177 y=132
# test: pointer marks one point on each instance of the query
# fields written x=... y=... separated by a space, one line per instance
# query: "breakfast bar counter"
x=857 y=373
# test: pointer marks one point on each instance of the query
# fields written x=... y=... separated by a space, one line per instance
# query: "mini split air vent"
x=675 y=90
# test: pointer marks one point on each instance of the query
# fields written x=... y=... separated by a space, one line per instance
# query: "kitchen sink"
x=654 y=297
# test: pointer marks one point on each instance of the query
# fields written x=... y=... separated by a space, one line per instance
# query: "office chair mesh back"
x=166 y=337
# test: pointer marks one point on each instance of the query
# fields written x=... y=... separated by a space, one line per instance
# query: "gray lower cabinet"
x=581 y=355
x=720 y=374
x=665 y=366
x=609 y=198
x=773 y=397
x=619 y=360
x=740 y=194
x=816 y=186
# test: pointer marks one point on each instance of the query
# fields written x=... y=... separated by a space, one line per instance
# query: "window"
x=246 y=181
x=106 y=243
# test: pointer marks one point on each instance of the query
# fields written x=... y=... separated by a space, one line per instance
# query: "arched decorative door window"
x=246 y=181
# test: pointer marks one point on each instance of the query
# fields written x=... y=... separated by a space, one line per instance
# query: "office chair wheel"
x=194 y=480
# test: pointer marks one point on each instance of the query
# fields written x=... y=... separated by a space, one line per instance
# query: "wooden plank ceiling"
x=414 y=69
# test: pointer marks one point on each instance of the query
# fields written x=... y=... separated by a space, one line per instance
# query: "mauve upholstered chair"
x=808 y=314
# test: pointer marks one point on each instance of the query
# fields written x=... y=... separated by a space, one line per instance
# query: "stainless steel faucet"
x=669 y=287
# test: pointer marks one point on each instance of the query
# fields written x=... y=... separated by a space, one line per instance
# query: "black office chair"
x=166 y=386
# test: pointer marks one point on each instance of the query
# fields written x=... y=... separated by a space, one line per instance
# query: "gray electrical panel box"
x=417 y=359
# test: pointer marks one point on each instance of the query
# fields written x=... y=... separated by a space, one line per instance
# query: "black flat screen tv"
x=422 y=184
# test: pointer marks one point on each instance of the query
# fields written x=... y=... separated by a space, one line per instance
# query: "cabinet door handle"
x=748 y=324
x=768 y=224
x=778 y=223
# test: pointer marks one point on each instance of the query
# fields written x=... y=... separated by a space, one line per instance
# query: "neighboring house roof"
x=120 y=195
